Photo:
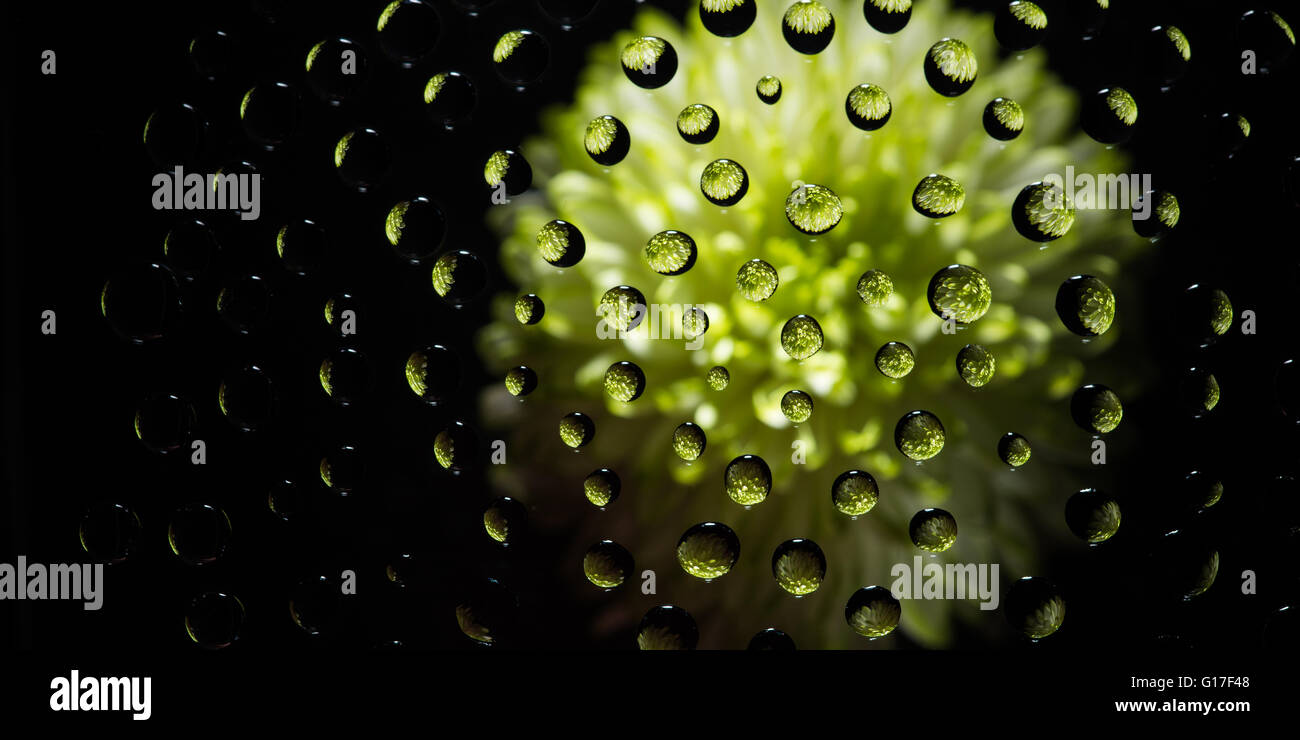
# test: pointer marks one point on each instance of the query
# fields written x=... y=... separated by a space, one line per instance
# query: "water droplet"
x=433 y=374
x=1157 y=220
x=1093 y=516
x=768 y=89
x=488 y=615
x=269 y=113
x=314 y=606
x=975 y=365
x=808 y=26
x=695 y=322
x=756 y=280
x=458 y=276
x=747 y=480
x=561 y=244
x=456 y=447
x=1042 y=213
x=1268 y=35
x=771 y=639
x=1199 y=391
x=689 y=441
x=728 y=18
x=1014 y=449
x=933 y=530
x=724 y=182
x=529 y=309
x=873 y=612
x=362 y=158
x=887 y=16
x=190 y=248
x=199 y=533
x=244 y=303
x=667 y=628
x=868 y=107
x=813 y=209
x=649 y=62
x=799 y=566
x=854 y=493
x=142 y=304
x=213 y=620
x=174 y=135
x=1086 y=305
x=345 y=376
x=343 y=470
x=215 y=55
x=875 y=288
x=708 y=550
x=449 y=97
x=165 y=423
x=607 y=140
x=110 y=532
x=801 y=337
x=508 y=167
x=698 y=123
x=919 y=435
x=1089 y=16
x=718 y=378
x=1167 y=52
x=1187 y=568
x=301 y=246
x=938 y=196
x=504 y=520
x=960 y=293
x=895 y=360
x=246 y=398
x=1208 y=314
x=607 y=564
x=797 y=406
x=624 y=381
x=577 y=429
x=408 y=30
x=521 y=380
x=415 y=228
x=1034 y=607
x=1004 y=119
x=622 y=307
x=1096 y=409
x=1109 y=115
x=326 y=75
x=287 y=500
x=670 y=253
x=1200 y=491
x=1020 y=25
x=950 y=67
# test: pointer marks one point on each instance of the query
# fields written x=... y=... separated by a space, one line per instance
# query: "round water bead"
x=343 y=469
x=724 y=182
x=269 y=113
x=796 y=406
x=529 y=309
x=1014 y=449
x=213 y=620
x=408 y=29
x=756 y=280
x=458 y=276
x=950 y=67
x=433 y=374
x=854 y=493
x=813 y=209
x=577 y=429
x=1190 y=568
x=667 y=628
x=887 y=16
x=771 y=639
x=801 y=337
x=488 y=614
x=174 y=135
x=1086 y=305
x=622 y=307
x=875 y=287
x=362 y=158
x=698 y=123
x=561 y=244
x=456 y=447
x=919 y=435
x=314 y=605
x=1020 y=25
x=624 y=381
x=521 y=380
x=601 y=487
x=747 y=480
x=302 y=246
x=649 y=62
x=933 y=530
x=607 y=140
x=1155 y=214
x=337 y=70
x=938 y=196
x=960 y=293
x=1042 y=213
x=345 y=376
x=1268 y=35
x=164 y=423
x=799 y=566
x=215 y=55
x=1207 y=314
x=449 y=97
x=287 y=500
x=727 y=18
x=199 y=534
x=1092 y=516
x=670 y=252
x=895 y=360
x=1096 y=408
x=873 y=612
x=975 y=365
x=1227 y=132
x=1089 y=16
x=143 y=303
x=708 y=550
x=1166 y=53
x=520 y=56
x=1034 y=607
x=718 y=378
x=190 y=248
x=768 y=89
x=337 y=316
x=808 y=26
x=695 y=322
x=505 y=519
x=1109 y=115
x=1004 y=119
x=243 y=303
x=415 y=228
x=689 y=441
x=607 y=564
x=246 y=397
x=868 y=107
x=1199 y=391
x=1200 y=490
x=110 y=532
x=507 y=168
